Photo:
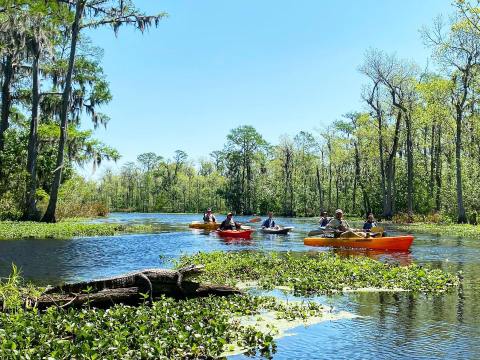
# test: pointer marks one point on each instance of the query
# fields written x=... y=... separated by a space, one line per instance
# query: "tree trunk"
x=390 y=171
x=49 y=215
x=408 y=123
x=432 y=162
x=320 y=191
x=438 y=170
x=462 y=218
x=30 y=212
x=382 y=164
x=6 y=104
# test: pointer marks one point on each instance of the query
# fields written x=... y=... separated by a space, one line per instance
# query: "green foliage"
x=317 y=274
x=198 y=328
x=443 y=229
x=11 y=230
x=14 y=294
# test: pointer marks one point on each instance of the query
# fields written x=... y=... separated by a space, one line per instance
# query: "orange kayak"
x=241 y=234
x=401 y=243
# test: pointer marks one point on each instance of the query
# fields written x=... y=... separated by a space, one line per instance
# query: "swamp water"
x=386 y=325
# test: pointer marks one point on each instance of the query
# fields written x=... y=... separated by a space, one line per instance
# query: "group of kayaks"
x=394 y=243
x=245 y=233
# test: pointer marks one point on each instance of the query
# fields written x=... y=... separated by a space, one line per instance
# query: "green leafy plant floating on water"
x=316 y=274
x=197 y=328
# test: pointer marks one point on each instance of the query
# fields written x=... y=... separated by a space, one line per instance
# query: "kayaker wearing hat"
x=208 y=217
x=341 y=227
x=229 y=224
x=338 y=223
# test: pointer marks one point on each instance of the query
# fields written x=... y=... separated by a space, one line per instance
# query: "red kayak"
x=238 y=234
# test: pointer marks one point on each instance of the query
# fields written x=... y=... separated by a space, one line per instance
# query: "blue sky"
x=281 y=66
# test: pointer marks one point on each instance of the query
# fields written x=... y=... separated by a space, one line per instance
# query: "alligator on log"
x=132 y=289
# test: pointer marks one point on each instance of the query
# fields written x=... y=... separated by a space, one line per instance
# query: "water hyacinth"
x=317 y=273
x=11 y=230
x=197 y=328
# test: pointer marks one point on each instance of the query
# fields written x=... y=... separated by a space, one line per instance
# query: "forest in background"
x=412 y=151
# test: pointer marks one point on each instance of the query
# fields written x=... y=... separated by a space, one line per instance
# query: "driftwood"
x=132 y=288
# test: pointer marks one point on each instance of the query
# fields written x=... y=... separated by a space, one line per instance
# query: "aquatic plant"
x=197 y=328
x=458 y=230
x=11 y=230
x=316 y=273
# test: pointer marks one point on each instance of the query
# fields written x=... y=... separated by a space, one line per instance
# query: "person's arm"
x=264 y=224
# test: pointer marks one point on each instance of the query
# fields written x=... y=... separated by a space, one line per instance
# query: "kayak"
x=240 y=234
x=204 y=226
x=401 y=243
x=282 y=230
x=316 y=232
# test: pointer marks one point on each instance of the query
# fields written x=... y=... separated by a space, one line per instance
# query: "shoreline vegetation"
x=455 y=230
x=208 y=327
x=16 y=230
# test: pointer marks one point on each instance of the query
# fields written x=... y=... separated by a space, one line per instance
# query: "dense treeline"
x=51 y=78
x=414 y=148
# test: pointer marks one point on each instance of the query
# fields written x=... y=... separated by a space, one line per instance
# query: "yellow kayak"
x=204 y=226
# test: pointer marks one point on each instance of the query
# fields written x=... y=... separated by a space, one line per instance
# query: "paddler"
x=269 y=222
x=324 y=219
x=208 y=217
x=370 y=223
x=229 y=223
x=341 y=227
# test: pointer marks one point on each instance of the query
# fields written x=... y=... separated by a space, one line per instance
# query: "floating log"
x=132 y=289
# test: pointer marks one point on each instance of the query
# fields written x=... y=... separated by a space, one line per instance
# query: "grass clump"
x=197 y=328
x=316 y=274
x=460 y=230
x=12 y=230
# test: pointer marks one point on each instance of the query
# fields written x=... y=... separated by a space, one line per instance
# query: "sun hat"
x=339 y=211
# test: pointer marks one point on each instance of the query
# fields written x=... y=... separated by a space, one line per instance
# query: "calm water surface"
x=389 y=326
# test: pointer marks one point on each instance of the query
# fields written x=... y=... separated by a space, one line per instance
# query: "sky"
x=280 y=66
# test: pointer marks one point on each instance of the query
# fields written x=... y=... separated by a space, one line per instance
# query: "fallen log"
x=132 y=289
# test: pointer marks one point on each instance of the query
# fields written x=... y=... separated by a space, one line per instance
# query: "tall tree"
x=90 y=14
x=458 y=51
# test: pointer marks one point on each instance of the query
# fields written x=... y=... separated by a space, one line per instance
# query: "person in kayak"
x=340 y=226
x=370 y=223
x=229 y=223
x=324 y=219
x=208 y=217
x=269 y=223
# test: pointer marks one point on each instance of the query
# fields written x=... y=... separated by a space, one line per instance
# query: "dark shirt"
x=368 y=225
x=228 y=225
x=324 y=221
x=269 y=223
